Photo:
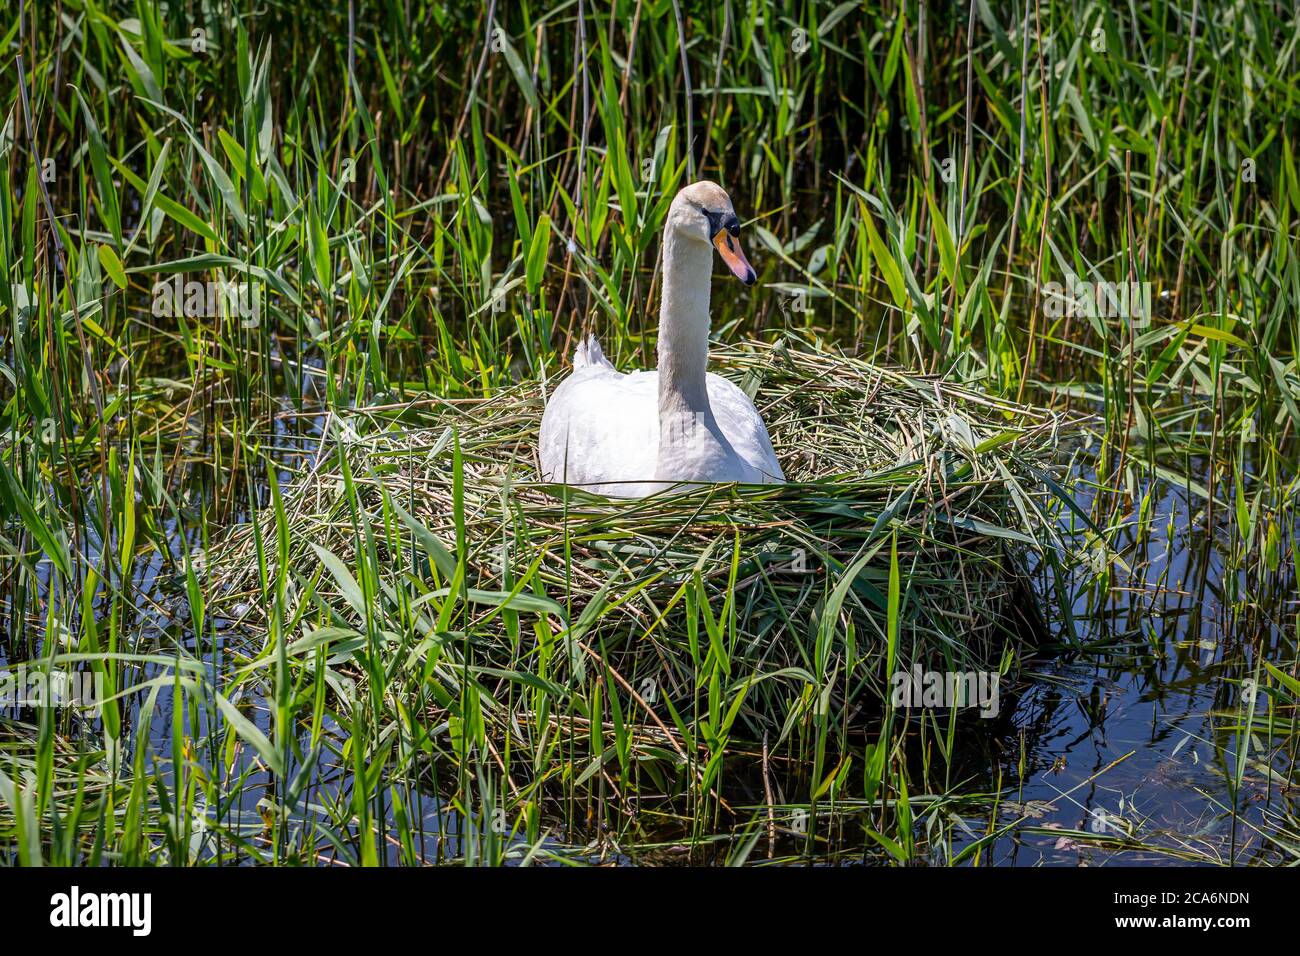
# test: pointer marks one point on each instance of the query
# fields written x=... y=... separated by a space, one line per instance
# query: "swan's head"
x=702 y=211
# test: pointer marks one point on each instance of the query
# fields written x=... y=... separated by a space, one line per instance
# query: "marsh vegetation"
x=284 y=288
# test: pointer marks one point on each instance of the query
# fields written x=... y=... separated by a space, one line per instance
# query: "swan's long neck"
x=684 y=326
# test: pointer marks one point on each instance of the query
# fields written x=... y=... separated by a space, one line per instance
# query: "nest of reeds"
x=425 y=527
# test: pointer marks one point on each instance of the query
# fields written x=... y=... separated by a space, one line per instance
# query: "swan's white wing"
x=743 y=426
x=600 y=431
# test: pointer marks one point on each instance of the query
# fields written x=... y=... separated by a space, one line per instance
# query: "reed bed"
x=901 y=539
x=433 y=201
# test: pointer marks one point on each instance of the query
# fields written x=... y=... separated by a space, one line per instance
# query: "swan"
x=630 y=435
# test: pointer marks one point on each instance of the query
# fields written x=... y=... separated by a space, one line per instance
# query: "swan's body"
x=607 y=424
x=632 y=435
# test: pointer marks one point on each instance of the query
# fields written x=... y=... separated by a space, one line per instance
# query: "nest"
x=426 y=527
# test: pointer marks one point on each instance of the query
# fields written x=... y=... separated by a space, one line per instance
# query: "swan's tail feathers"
x=588 y=353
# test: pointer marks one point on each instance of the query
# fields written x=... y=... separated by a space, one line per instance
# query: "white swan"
x=631 y=435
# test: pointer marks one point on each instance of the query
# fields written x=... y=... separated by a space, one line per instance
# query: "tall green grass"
x=429 y=203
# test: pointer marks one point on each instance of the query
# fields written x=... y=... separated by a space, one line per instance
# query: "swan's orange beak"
x=728 y=247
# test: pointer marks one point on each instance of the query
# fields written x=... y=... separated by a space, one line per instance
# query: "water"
x=1134 y=732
